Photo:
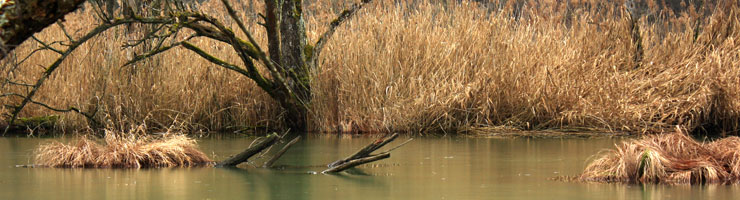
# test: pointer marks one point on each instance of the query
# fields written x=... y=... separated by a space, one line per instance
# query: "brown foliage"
x=421 y=66
x=672 y=158
x=123 y=150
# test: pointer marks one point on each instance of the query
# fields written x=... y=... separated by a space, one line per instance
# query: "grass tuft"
x=673 y=158
x=123 y=150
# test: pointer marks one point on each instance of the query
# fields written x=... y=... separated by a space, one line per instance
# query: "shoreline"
x=503 y=133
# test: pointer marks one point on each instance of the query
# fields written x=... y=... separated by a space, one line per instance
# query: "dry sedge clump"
x=672 y=158
x=120 y=150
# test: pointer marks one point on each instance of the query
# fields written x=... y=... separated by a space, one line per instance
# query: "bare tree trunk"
x=290 y=62
x=272 y=26
x=293 y=61
x=19 y=20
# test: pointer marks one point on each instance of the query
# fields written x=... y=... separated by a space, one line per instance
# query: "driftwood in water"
x=251 y=151
x=364 y=152
x=280 y=153
x=363 y=155
x=356 y=162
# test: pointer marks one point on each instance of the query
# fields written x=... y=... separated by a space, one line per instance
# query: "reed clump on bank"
x=673 y=158
x=426 y=66
x=131 y=149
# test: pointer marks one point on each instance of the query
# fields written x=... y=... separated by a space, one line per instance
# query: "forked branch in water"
x=364 y=155
x=237 y=159
x=280 y=153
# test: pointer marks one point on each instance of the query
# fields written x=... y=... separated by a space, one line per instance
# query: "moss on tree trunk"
x=19 y=20
x=290 y=62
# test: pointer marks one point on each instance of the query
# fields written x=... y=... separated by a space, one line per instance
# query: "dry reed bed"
x=672 y=158
x=422 y=67
x=131 y=149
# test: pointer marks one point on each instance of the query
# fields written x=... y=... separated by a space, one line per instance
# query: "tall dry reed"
x=422 y=66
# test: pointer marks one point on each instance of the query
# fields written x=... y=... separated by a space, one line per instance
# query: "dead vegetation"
x=137 y=149
x=425 y=66
x=673 y=158
x=132 y=149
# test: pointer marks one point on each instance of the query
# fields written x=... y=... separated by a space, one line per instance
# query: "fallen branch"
x=280 y=153
x=356 y=162
x=363 y=155
x=399 y=146
x=248 y=153
x=364 y=152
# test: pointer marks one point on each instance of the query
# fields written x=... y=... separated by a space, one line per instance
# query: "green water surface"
x=427 y=168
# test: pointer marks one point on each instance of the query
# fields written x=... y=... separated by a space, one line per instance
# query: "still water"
x=426 y=168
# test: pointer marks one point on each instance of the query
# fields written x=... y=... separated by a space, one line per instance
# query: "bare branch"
x=213 y=59
x=18 y=84
x=219 y=33
x=280 y=153
x=252 y=73
x=353 y=163
x=346 y=14
x=64 y=30
x=237 y=159
x=12 y=94
x=156 y=51
x=246 y=50
x=49 y=70
x=243 y=28
x=98 y=10
x=150 y=35
x=399 y=146
x=276 y=71
x=70 y=109
x=47 y=46
x=364 y=152
x=150 y=54
x=29 y=55
x=363 y=155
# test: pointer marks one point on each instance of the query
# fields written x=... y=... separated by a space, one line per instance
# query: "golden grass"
x=671 y=158
x=421 y=66
x=132 y=149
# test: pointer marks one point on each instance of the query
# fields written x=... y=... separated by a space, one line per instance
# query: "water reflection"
x=427 y=168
